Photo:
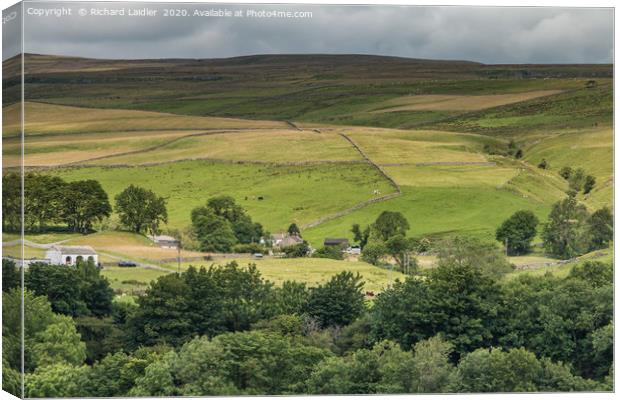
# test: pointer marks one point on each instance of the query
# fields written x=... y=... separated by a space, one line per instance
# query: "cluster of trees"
x=333 y=252
x=511 y=149
x=222 y=224
x=578 y=180
x=570 y=230
x=49 y=200
x=297 y=250
x=227 y=331
x=387 y=236
x=229 y=298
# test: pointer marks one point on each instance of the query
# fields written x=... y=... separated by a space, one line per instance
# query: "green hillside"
x=274 y=195
x=319 y=140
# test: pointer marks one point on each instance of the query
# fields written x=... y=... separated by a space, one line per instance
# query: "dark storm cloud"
x=490 y=35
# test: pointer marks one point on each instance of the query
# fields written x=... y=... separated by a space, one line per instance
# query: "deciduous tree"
x=601 y=228
x=565 y=234
x=141 y=210
x=388 y=224
x=517 y=232
x=84 y=203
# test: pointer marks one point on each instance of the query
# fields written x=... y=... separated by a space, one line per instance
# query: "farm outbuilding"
x=164 y=241
x=71 y=255
x=341 y=242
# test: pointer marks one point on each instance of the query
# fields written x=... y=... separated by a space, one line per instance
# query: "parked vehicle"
x=356 y=250
x=257 y=255
x=126 y=263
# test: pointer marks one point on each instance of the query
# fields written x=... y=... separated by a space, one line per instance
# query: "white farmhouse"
x=71 y=255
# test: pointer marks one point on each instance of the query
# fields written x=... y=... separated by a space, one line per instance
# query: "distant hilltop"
x=317 y=66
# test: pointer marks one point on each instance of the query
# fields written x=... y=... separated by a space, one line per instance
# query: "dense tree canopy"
x=75 y=290
x=360 y=236
x=11 y=202
x=45 y=198
x=339 y=301
x=516 y=370
x=11 y=275
x=293 y=230
x=224 y=330
x=200 y=302
x=458 y=301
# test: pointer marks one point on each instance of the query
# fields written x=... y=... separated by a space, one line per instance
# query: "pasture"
x=435 y=211
x=390 y=146
x=227 y=127
x=49 y=119
x=15 y=251
x=590 y=149
x=133 y=280
x=277 y=146
x=562 y=270
x=274 y=195
x=436 y=102
x=312 y=271
x=58 y=150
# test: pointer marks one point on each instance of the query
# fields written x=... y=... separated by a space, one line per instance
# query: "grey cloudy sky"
x=489 y=35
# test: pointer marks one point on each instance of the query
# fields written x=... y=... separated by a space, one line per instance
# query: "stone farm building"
x=167 y=242
x=282 y=240
x=344 y=243
x=71 y=255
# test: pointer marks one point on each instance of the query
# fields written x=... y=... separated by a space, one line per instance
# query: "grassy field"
x=590 y=149
x=235 y=113
x=451 y=176
x=43 y=237
x=312 y=271
x=260 y=146
x=432 y=211
x=435 y=102
x=63 y=149
x=130 y=280
x=562 y=270
x=397 y=146
x=289 y=194
x=580 y=108
x=57 y=119
x=16 y=252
